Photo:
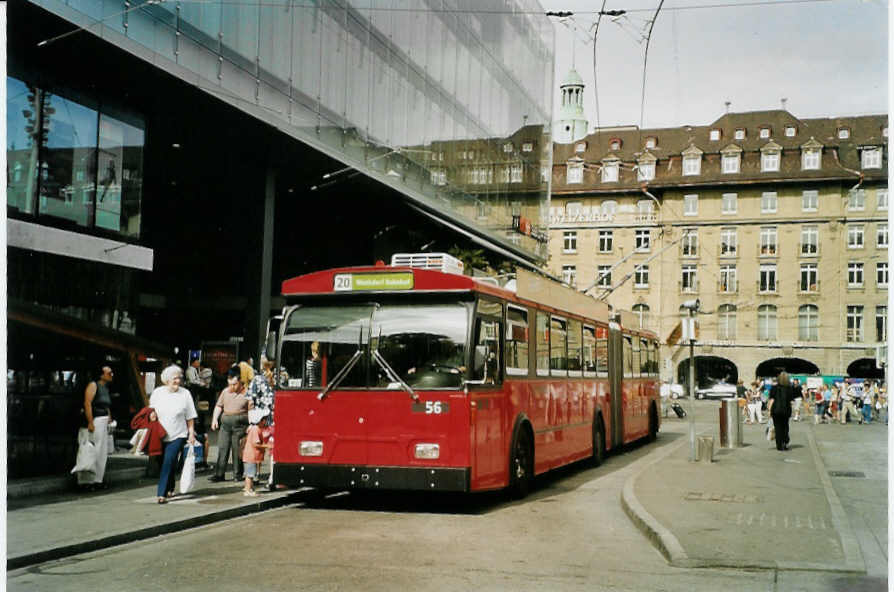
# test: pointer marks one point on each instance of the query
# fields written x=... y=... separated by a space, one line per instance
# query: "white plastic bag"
x=86 y=459
x=188 y=476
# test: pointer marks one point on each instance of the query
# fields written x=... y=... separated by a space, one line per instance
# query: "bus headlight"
x=428 y=451
x=311 y=448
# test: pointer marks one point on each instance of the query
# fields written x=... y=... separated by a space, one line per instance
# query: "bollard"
x=706 y=449
x=730 y=424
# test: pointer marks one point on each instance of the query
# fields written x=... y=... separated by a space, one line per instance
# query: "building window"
x=808 y=323
x=844 y=133
x=856 y=200
x=515 y=175
x=790 y=131
x=854 y=274
x=767 y=281
x=569 y=274
x=881 y=324
x=728 y=241
x=854 y=323
x=614 y=144
x=546 y=173
x=811 y=159
x=504 y=174
x=881 y=196
x=769 y=201
x=730 y=163
x=871 y=158
x=689 y=279
x=855 y=236
x=570 y=241
x=739 y=134
x=642 y=311
x=610 y=172
x=645 y=171
x=609 y=207
x=726 y=321
x=690 y=205
x=690 y=242
x=580 y=147
x=714 y=135
x=809 y=277
x=482 y=209
x=507 y=147
x=527 y=147
x=606 y=238
x=881 y=236
x=604 y=276
x=575 y=173
x=809 y=240
x=438 y=177
x=641 y=276
x=651 y=142
x=643 y=239
x=729 y=203
x=728 y=278
x=766 y=322
x=764 y=133
x=645 y=208
x=692 y=165
x=769 y=161
x=809 y=200
x=768 y=240
x=881 y=274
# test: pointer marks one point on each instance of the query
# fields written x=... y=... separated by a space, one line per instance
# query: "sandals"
x=162 y=500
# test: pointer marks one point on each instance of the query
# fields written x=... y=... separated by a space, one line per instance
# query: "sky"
x=826 y=57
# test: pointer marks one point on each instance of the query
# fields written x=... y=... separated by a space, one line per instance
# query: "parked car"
x=718 y=390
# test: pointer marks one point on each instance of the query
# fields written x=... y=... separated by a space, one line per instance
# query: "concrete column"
x=259 y=288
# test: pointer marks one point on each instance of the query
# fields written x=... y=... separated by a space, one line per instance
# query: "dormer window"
x=790 y=131
x=770 y=157
x=810 y=159
x=692 y=164
x=844 y=133
x=610 y=171
x=714 y=135
x=527 y=147
x=871 y=158
x=574 y=173
x=764 y=133
x=614 y=144
x=507 y=147
x=740 y=134
x=645 y=169
x=580 y=147
x=652 y=142
x=730 y=163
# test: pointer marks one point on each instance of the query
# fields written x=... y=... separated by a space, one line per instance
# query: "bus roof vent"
x=436 y=261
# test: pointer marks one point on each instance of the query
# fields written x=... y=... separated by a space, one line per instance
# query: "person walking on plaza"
x=262 y=396
x=846 y=404
x=780 y=408
x=257 y=441
x=754 y=404
x=798 y=401
x=97 y=411
x=231 y=416
x=177 y=414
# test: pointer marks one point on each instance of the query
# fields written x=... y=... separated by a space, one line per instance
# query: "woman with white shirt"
x=177 y=414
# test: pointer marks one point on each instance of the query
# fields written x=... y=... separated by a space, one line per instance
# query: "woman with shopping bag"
x=177 y=415
x=97 y=412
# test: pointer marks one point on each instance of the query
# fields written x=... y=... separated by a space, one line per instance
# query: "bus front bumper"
x=371 y=477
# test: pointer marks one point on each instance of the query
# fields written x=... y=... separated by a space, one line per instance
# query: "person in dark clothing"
x=780 y=407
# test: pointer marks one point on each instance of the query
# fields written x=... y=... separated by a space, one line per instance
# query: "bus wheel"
x=653 y=423
x=598 y=441
x=521 y=465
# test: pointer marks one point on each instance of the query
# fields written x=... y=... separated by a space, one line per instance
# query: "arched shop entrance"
x=709 y=370
x=865 y=368
x=774 y=366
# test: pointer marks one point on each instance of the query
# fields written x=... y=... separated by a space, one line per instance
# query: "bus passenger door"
x=486 y=402
x=615 y=375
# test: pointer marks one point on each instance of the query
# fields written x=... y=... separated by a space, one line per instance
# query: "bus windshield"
x=423 y=344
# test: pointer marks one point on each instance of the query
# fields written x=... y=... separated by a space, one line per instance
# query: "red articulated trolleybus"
x=405 y=377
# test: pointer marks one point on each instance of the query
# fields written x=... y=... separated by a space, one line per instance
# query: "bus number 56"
x=434 y=407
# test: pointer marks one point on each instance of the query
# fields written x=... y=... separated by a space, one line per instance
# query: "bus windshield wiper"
x=389 y=371
x=341 y=375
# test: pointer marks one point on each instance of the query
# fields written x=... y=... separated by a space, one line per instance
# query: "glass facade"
x=72 y=163
x=406 y=91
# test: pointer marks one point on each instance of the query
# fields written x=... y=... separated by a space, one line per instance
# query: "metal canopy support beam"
x=259 y=286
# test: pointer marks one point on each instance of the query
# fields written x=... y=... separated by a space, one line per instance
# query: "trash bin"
x=730 y=424
x=705 y=449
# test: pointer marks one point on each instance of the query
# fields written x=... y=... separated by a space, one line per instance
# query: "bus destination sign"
x=366 y=282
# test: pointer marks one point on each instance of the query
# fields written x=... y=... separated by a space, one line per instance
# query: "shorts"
x=251 y=470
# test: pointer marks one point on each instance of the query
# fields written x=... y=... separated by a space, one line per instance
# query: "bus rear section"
x=371 y=394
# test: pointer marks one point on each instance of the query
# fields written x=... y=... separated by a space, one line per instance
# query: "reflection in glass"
x=120 y=182
x=22 y=124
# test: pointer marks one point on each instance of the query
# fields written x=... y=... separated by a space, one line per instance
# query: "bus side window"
x=628 y=356
x=589 y=351
x=542 y=344
x=558 y=358
x=602 y=351
x=574 y=347
x=516 y=341
x=645 y=357
x=486 y=358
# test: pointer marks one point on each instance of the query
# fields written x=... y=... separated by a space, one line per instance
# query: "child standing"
x=257 y=441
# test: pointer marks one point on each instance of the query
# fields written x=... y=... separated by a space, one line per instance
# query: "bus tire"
x=521 y=464
x=598 y=441
x=653 y=423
